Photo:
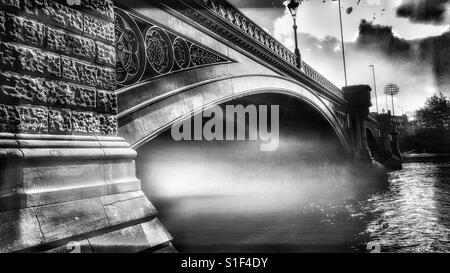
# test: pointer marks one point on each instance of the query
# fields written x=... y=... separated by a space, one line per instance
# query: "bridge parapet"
x=285 y=59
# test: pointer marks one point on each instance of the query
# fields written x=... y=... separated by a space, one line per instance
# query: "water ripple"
x=413 y=215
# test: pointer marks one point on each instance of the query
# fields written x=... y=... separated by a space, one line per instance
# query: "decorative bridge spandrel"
x=228 y=24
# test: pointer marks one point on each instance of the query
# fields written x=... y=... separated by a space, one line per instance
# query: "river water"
x=307 y=196
x=411 y=215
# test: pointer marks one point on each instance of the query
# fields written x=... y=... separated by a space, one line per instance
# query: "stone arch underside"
x=141 y=123
x=196 y=185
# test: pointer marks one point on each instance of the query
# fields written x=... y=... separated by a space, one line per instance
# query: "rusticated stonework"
x=106 y=102
x=60 y=121
x=9 y=118
x=145 y=50
x=57 y=67
x=27 y=89
x=33 y=119
x=85 y=122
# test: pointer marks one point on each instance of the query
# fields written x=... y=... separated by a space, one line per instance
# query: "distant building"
x=400 y=124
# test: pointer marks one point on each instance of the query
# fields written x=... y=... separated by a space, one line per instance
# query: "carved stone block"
x=107 y=102
x=85 y=97
x=25 y=31
x=85 y=122
x=9 y=118
x=15 y=4
x=73 y=96
x=28 y=60
x=7 y=56
x=15 y=87
x=79 y=72
x=57 y=13
x=33 y=119
x=107 y=124
x=62 y=95
x=103 y=8
x=60 y=121
x=2 y=23
x=99 y=29
x=106 y=78
x=105 y=54
x=69 y=44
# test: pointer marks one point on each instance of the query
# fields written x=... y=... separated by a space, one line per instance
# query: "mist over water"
x=228 y=196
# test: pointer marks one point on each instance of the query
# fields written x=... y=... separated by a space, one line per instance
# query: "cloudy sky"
x=408 y=41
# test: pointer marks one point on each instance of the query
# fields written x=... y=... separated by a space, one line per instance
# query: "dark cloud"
x=433 y=51
x=381 y=38
x=437 y=50
x=425 y=11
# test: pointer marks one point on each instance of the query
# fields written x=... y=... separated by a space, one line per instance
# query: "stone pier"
x=67 y=182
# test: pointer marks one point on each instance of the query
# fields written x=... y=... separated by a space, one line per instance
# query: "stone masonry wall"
x=57 y=67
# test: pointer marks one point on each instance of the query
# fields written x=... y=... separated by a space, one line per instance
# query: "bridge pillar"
x=390 y=151
x=358 y=98
x=67 y=182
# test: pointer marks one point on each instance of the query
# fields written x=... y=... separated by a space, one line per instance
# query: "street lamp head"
x=293 y=7
x=391 y=89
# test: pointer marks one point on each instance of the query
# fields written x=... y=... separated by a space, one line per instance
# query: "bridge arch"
x=146 y=120
x=197 y=185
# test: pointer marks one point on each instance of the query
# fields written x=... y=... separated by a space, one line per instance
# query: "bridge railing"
x=316 y=76
x=231 y=14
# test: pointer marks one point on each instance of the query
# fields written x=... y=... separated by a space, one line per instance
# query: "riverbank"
x=425 y=157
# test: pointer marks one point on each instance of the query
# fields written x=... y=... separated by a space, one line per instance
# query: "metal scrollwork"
x=145 y=50
x=159 y=50
x=181 y=52
x=130 y=56
x=200 y=56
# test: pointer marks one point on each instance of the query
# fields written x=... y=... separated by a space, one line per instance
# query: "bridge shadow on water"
x=228 y=196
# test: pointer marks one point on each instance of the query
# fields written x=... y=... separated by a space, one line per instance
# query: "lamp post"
x=374 y=85
x=342 y=43
x=293 y=9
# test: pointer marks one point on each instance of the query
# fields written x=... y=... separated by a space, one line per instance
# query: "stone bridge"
x=83 y=85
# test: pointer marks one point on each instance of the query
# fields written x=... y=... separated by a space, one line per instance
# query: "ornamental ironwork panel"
x=146 y=50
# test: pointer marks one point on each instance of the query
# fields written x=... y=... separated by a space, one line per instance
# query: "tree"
x=435 y=114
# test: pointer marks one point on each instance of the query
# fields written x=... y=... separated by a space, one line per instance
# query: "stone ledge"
x=127 y=207
x=125 y=240
x=63 y=223
x=167 y=249
x=19 y=229
x=132 y=239
x=65 y=220
x=118 y=186
x=27 y=183
x=10 y=140
x=77 y=153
